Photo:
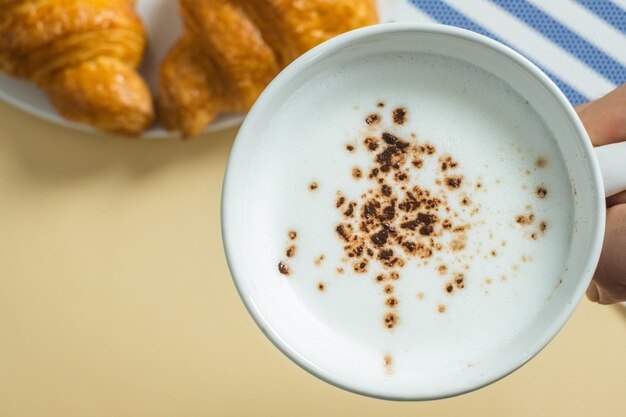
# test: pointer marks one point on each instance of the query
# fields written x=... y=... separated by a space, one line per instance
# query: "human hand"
x=605 y=121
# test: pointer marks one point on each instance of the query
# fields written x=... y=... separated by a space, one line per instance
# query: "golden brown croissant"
x=84 y=54
x=232 y=49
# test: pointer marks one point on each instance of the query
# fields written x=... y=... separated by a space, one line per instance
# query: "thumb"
x=605 y=118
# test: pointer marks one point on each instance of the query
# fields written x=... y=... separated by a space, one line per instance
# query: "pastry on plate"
x=84 y=55
x=232 y=49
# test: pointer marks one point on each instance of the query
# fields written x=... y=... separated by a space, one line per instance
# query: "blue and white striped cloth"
x=580 y=44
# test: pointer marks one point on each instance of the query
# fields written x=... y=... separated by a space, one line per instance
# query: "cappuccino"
x=416 y=206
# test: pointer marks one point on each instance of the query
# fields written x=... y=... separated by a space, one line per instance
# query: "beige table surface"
x=115 y=299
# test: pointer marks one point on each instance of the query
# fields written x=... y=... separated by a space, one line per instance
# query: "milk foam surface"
x=510 y=267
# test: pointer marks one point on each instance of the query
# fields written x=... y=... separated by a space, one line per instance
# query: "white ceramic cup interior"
x=287 y=323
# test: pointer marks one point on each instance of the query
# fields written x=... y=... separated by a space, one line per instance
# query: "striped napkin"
x=580 y=44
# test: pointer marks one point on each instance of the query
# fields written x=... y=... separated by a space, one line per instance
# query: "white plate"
x=164 y=26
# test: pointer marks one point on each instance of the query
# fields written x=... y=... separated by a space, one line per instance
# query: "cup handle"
x=612 y=160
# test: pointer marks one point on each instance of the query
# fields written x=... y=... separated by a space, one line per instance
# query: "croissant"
x=84 y=55
x=232 y=49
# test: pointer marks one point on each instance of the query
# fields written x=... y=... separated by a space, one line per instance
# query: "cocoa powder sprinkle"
x=283 y=268
x=390 y=320
x=372 y=119
x=453 y=182
x=396 y=216
x=399 y=115
x=542 y=192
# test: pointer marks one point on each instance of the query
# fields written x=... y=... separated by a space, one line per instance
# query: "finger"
x=580 y=107
x=610 y=276
x=608 y=296
x=616 y=199
x=592 y=292
x=605 y=118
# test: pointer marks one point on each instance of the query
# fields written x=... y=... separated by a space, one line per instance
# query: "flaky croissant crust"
x=232 y=49
x=84 y=54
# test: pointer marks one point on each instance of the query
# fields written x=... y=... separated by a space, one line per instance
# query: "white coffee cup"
x=594 y=175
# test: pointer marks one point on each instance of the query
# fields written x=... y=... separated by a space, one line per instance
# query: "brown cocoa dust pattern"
x=399 y=218
x=418 y=207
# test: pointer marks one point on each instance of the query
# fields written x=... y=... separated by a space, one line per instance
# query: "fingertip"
x=581 y=107
x=592 y=292
x=616 y=199
x=604 y=119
